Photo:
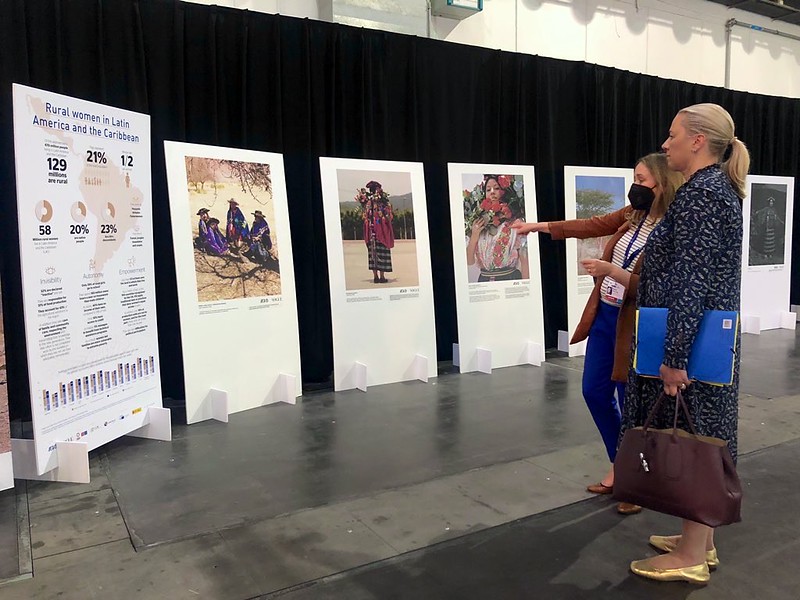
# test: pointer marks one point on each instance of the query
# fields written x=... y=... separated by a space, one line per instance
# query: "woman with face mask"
x=608 y=318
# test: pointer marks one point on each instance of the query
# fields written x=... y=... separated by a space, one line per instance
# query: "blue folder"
x=711 y=359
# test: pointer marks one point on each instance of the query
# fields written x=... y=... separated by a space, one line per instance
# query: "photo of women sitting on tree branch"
x=235 y=249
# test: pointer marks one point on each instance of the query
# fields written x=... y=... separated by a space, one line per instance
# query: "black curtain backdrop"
x=307 y=89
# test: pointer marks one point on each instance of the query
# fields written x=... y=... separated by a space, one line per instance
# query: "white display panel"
x=588 y=192
x=384 y=330
x=236 y=292
x=6 y=466
x=498 y=311
x=767 y=253
x=86 y=226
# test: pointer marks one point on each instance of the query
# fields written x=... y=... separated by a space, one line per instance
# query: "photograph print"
x=492 y=203
x=596 y=195
x=231 y=209
x=378 y=238
x=767 y=224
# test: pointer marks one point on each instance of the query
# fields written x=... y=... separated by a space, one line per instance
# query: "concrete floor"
x=470 y=488
x=579 y=552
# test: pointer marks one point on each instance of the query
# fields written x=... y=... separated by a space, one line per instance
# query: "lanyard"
x=630 y=257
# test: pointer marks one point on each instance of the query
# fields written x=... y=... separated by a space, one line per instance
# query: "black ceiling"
x=787 y=11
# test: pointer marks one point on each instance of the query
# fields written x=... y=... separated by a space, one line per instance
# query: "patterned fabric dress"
x=692 y=262
x=378 y=232
x=498 y=254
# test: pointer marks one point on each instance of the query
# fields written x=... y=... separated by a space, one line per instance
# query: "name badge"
x=613 y=291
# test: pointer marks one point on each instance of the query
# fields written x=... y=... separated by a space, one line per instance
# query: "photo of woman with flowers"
x=493 y=246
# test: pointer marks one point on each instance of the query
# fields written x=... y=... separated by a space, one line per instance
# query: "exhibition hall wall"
x=308 y=89
x=680 y=39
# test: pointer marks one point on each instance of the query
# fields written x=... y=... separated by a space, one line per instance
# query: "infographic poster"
x=86 y=229
x=234 y=268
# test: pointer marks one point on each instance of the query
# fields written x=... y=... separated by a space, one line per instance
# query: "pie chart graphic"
x=110 y=212
x=44 y=211
x=78 y=212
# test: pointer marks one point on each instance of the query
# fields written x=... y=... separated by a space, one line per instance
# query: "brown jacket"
x=614 y=224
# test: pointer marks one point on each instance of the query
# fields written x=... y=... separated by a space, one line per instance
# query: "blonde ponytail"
x=737 y=166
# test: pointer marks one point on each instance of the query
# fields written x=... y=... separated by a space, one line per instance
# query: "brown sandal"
x=599 y=488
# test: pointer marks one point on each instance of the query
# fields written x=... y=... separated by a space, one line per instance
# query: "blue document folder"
x=711 y=359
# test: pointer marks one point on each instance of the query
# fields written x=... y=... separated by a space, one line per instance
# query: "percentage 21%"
x=96 y=157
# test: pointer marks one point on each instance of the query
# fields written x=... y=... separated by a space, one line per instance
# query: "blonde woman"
x=608 y=318
x=692 y=264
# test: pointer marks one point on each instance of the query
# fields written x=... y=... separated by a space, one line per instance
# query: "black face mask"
x=641 y=197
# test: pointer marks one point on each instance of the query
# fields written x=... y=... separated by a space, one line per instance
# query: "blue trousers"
x=598 y=388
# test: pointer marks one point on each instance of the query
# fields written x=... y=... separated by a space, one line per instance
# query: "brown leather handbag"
x=678 y=473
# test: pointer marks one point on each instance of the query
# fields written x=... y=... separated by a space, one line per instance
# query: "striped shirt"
x=611 y=291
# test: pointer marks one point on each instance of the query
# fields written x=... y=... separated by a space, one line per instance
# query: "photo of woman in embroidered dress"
x=767 y=224
x=495 y=251
x=378 y=238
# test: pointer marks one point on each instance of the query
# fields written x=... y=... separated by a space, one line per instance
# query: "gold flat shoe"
x=698 y=574
x=666 y=544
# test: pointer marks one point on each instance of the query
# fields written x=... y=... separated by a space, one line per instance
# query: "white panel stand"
x=72 y=460
x=360 y=372
x=216 y=405
x=219 y=404
x=6 y=471
x=578 y=349
x=534 y=354
x=421 y=367
x=788 y=320
x=268 y=357
x=751 y=324
x=285 y=389
x=484 y=360
x=563 y=341
x=158 y=425
x=456 y=356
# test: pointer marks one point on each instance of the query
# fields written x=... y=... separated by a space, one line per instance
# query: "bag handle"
x=679 y=401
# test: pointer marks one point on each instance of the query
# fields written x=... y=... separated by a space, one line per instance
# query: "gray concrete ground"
x=359 y=277
x=82 y=547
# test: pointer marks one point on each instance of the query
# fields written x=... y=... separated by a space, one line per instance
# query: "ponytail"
x=737 y=166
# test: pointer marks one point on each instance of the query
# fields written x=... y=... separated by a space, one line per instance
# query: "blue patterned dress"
x=692 y=262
